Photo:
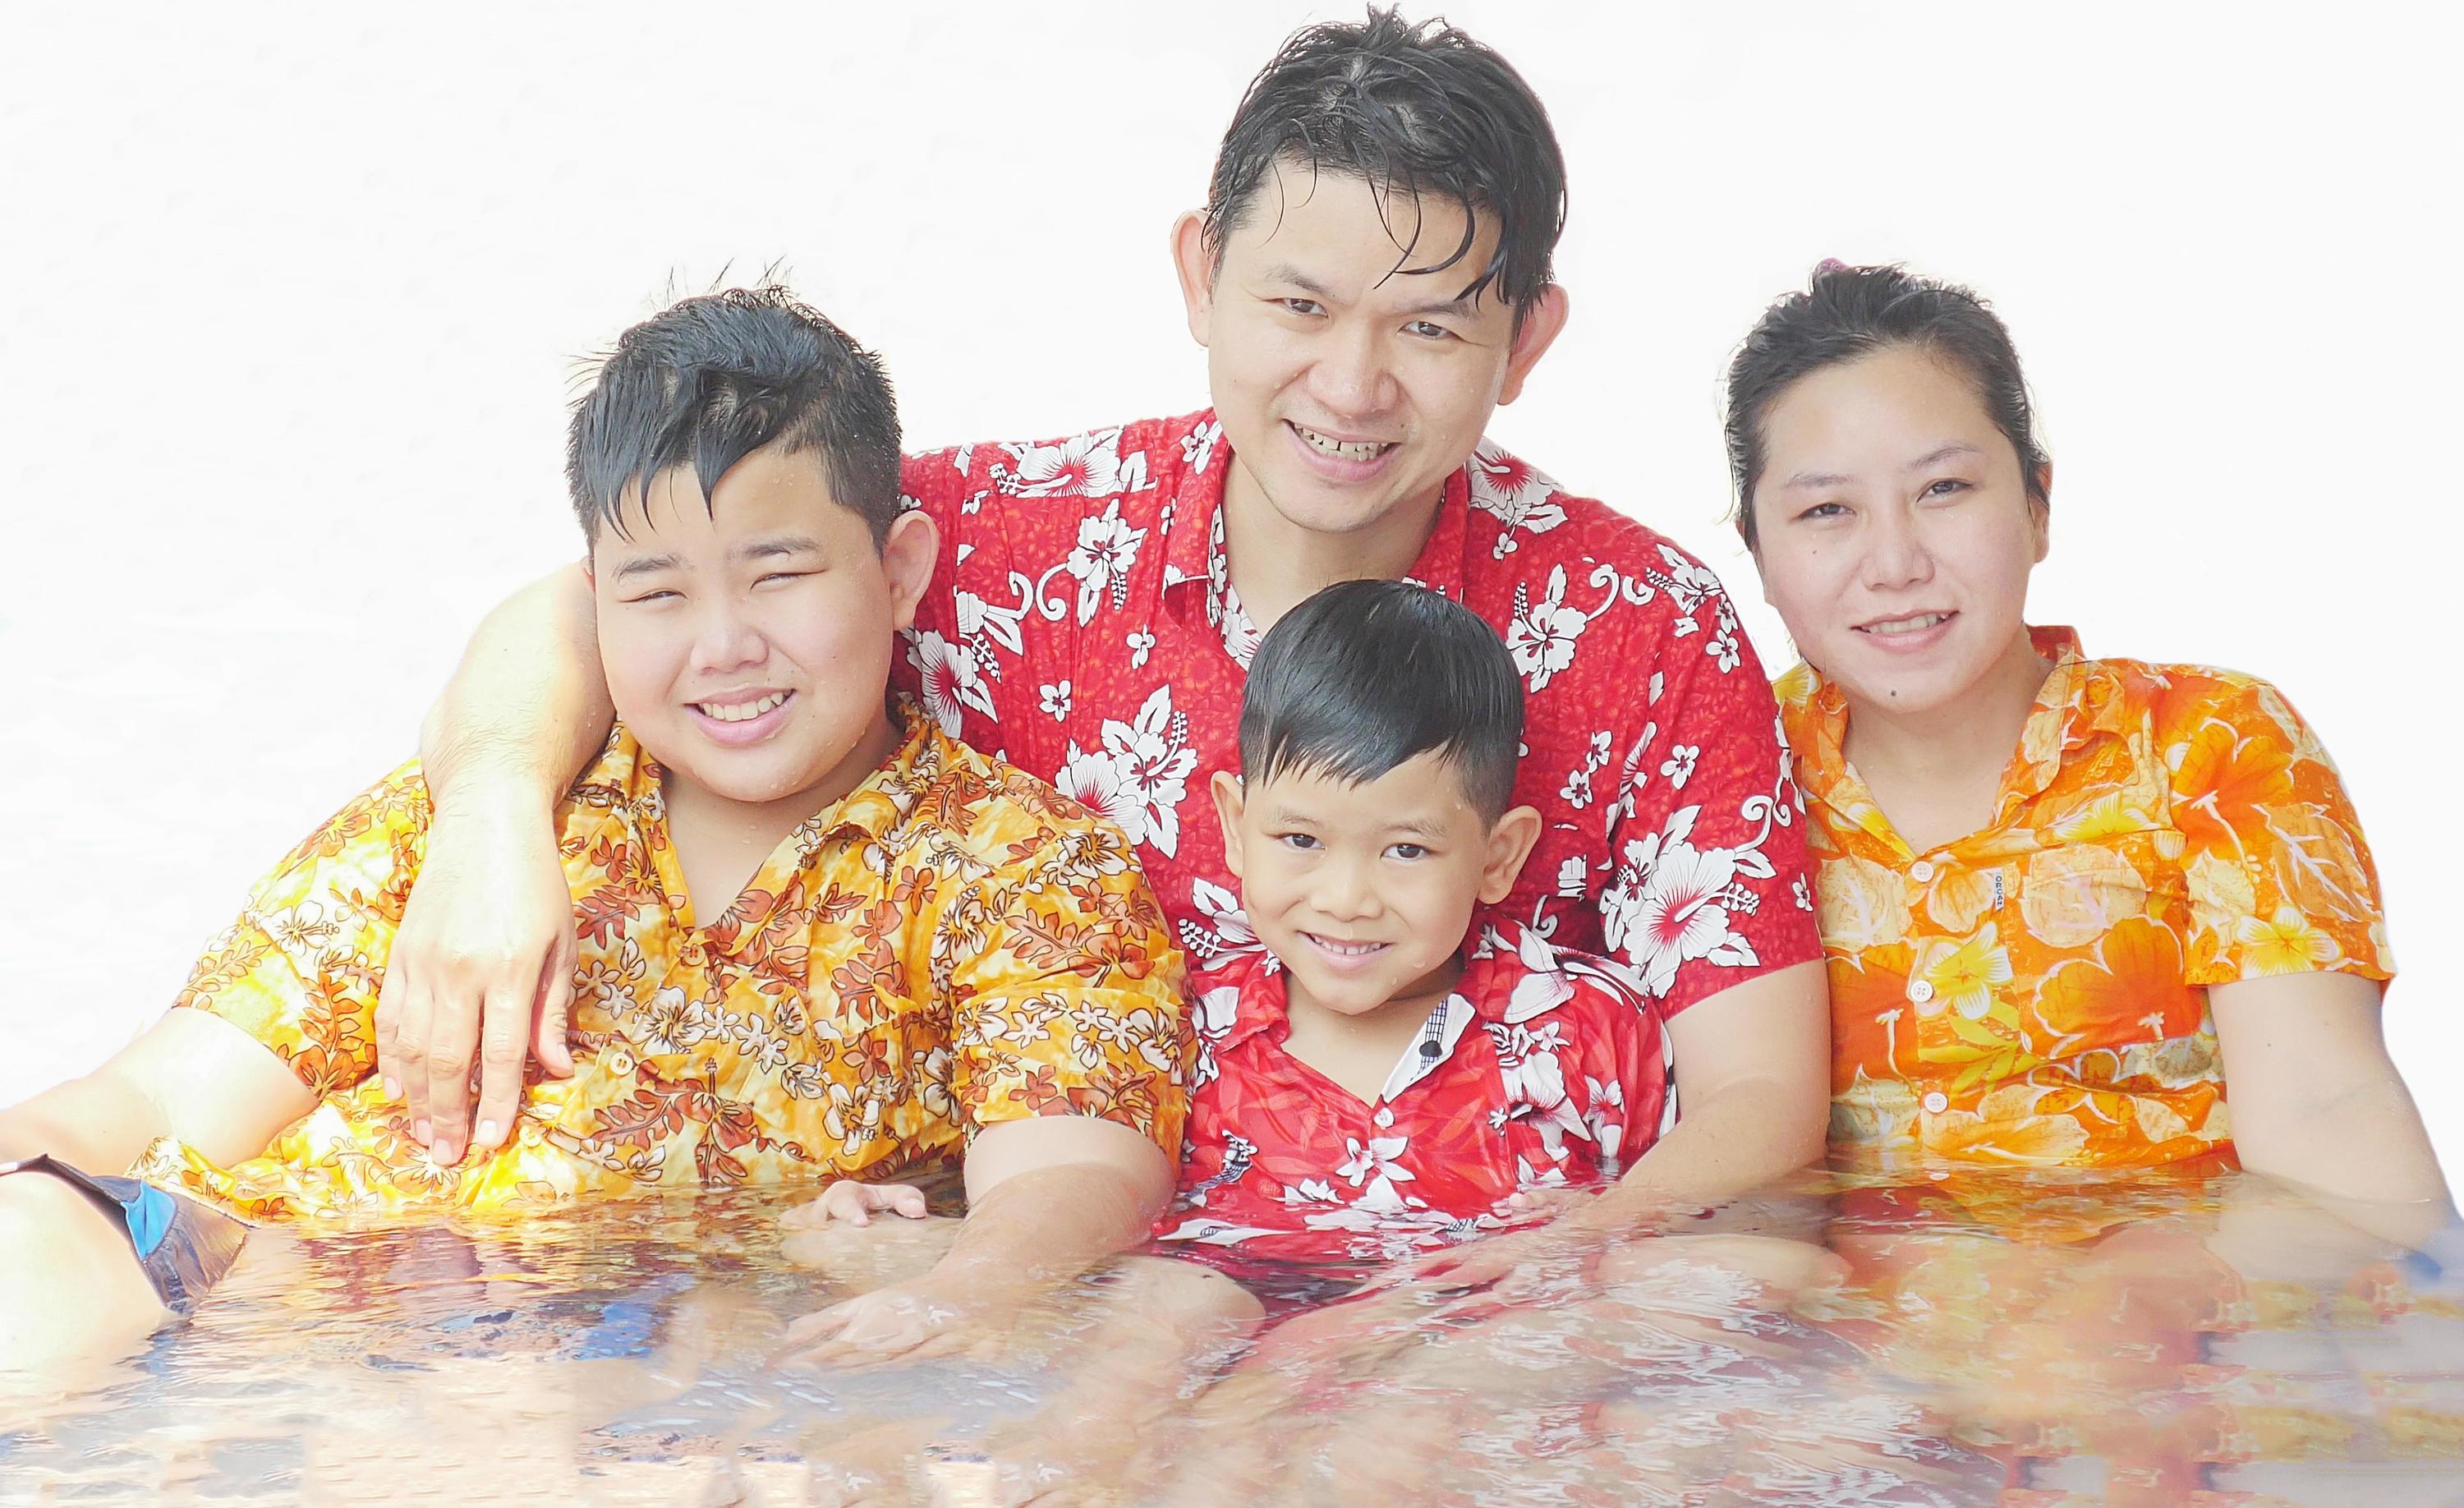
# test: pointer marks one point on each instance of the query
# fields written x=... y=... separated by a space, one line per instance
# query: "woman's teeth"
x=1905 y=625
x=741 y=711
x=1341 y=450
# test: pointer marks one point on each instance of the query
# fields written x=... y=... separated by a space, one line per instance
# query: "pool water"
x=2026 y=1340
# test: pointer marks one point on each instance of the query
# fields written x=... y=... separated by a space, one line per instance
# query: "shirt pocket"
x=2105 y=918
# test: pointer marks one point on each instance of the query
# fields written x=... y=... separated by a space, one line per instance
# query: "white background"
x=293 y=300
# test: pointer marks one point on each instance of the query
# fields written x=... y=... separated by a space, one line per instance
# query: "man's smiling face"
x=1351 y=389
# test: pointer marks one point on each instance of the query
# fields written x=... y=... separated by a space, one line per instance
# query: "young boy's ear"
x=1225 y=788
x=907 y=552
x=1510 y=843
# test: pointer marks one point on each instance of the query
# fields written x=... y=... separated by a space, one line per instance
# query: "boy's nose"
x=727 y=640
x=1346 y=893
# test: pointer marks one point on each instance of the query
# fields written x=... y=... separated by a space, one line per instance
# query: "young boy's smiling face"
x=1364 y=890
x=747 y=639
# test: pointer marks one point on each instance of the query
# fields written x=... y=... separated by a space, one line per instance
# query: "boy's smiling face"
x=747 y=640
x=1366 y=890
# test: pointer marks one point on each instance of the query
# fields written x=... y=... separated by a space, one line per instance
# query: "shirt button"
x=1936 y=1102
x=1921 y=871
x=1920 y=991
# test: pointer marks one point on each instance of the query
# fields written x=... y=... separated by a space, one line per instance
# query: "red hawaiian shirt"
x=1530 y=1076
x=1083 y=626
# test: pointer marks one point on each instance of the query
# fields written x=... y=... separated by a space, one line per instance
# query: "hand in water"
x=913 y=1321
x=482 y=963
x=851 y=1202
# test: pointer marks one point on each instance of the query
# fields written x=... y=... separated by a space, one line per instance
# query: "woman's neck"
x=1918 y=763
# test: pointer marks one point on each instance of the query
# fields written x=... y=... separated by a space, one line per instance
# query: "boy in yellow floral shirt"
x=818 y=938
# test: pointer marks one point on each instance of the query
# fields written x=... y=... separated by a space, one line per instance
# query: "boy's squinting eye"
x=782 y=575
x=660 y=596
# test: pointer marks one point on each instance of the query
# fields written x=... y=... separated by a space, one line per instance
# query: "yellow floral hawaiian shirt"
x=950 y=945
x=2036 y=992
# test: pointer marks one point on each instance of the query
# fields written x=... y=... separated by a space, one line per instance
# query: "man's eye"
x=1430 y=330
x=1303 y=306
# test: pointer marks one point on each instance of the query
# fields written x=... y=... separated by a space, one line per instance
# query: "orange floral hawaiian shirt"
x=2036 y=992
x=950 y=945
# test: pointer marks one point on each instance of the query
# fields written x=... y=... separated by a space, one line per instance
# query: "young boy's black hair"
x=1368 y=675
x=709 y=381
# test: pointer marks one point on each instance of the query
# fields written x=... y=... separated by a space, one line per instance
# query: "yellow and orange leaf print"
x=2036 y=992
x=950 y=945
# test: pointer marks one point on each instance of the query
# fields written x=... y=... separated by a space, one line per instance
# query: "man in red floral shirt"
x=1371 y=279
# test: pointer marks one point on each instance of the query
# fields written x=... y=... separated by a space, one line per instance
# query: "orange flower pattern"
x=2036 y=992
x=950 y=945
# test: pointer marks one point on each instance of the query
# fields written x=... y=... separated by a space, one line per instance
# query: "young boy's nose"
x=1346 y=891
x=726 y=640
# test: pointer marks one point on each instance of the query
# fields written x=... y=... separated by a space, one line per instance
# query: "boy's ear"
x=907 y=552
x=1510 y=843
x=1225 y=788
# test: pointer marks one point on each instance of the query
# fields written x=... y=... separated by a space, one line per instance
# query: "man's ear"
x=1510 y=844
x=1194 y=267
x=1544 y=319
x=1225 y=788
x=908 y=554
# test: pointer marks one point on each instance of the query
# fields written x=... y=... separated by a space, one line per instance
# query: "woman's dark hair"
x=709 y=381
x=1365 y=676
x=1849 y=313
x=1419 y=109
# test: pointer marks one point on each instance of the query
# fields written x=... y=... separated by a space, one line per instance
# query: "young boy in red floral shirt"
x=1378 y=1075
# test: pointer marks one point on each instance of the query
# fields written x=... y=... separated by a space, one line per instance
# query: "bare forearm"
x=527 y=707
x=1042 y=1228
x=1739 y=1139
x=2360 y=1153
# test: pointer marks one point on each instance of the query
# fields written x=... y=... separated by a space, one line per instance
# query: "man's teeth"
x=741 y=711
x=1908 y=626
x=1341 y=450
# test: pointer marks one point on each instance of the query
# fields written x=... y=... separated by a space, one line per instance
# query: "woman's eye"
x=1947 y=486
x=1825 y=511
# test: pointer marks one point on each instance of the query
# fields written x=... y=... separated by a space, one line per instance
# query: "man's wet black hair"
x=1369 y=675
x=713 y=378
x=1846 y=314
x=1419 y=109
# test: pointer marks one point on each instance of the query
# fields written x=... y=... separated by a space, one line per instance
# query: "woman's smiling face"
x=1896 y=532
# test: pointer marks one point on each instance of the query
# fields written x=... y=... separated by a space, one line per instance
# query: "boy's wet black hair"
x=713 y=378
x=1369 y=675
x=1411 y=109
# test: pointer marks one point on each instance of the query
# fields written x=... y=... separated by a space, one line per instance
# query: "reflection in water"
x=2026 y=1340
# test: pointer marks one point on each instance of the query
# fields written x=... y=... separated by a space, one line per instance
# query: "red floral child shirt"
x=1083 y=624
x=1531 y=1075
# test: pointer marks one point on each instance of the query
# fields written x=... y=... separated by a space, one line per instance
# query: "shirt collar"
x=1194 y=546
x=878 y=803
x=2075 y=703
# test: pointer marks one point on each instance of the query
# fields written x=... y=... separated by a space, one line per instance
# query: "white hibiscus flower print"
x=1542 y=635
x=1055 y=699
x=1225 y=935
x=1669 y=905
x=1514 y=494
x=1155 y=767
x=1679 y=766
x=1197 y=446
x=1140 y=645
x=953 y=685
x=1085 y=466
x=1094 y=778
x=1107 y=548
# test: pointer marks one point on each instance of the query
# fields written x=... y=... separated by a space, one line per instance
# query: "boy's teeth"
x=742 y=711
x=1908 y=626
x=1342 y=450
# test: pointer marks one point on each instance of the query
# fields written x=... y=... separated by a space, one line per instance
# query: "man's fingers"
x=504 y=1033
x=553 y=1016
x=819 y=1325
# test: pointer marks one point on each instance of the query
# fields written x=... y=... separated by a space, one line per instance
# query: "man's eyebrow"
x=646 y=565
x=777 y=545
x=1945 y=453
x=1287 y=273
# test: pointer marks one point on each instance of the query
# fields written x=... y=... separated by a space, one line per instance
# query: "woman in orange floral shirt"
x=2065 y=900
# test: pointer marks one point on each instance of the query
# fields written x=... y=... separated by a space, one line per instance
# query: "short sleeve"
x=1708 y=888
x=300 y=969
x=1066 y=991
x=2279 y=878
x=1624 y=1096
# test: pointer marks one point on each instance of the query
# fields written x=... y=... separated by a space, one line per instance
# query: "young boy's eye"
x=1408 y=851
x=1304 y=843
x=661 y=595
x=782 y=575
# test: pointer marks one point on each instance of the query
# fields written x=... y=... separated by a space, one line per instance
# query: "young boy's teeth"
x=1341 y=450
x=742 y=711
x=1347 y=949
x=1908 y=626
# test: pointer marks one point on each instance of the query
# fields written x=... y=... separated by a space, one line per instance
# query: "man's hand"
x=913 y=1321
x=852 y=1202
x=483 y=960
